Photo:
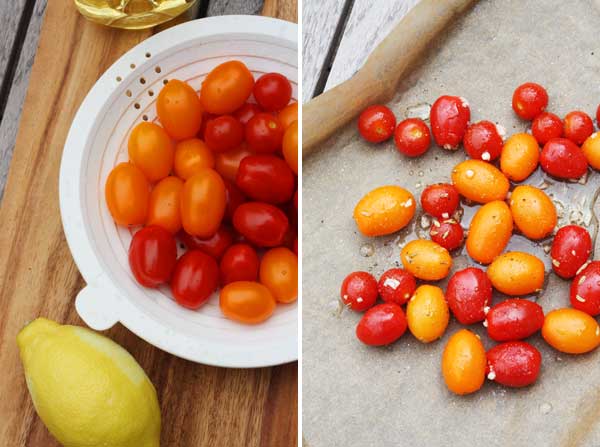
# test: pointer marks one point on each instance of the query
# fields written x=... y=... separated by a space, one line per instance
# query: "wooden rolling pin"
x=378 y=79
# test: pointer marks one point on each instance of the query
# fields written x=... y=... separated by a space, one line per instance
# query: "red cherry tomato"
x=440 y=200
x=578 y=127
x=529 y=100
x=449 y=118
x=482 y=141
x=152 y=256
x=233 y=197
x=469 y=292
x=265 y=178
x=272 y=91
x=179 y=110
x=246 y=112
x=546 y=126
x=264 y=133
x=396 y=286
x=514 y=319
x=585 y=289
x=381 y=325
x=359 y=291
x=571 y=249
x=214 y=246
x=514 y=364
x=239 y=263
x=228 y=163
x=412 y=137
x=376 y=123
x=447 y=233
x=224 y=133
x=598 y=116
x=563 y=159
x=195 y=278
x=260 y=223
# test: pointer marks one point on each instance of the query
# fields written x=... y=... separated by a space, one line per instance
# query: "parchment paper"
x=355 y=395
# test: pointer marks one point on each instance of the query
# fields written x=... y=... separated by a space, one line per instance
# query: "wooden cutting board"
x=201 y=405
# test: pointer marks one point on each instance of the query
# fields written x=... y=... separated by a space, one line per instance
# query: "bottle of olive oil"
x=132 y=14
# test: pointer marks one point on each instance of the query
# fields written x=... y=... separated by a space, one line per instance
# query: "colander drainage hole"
x=148 y=55
x=165 y=81
x=136 y=105
x=157 y=69
x=145 y=117
x=119 y=78
x=150 y=93
x=128 y=93
x=142 y=80
x=132 y=66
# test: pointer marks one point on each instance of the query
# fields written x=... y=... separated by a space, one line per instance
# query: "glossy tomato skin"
x=191 y=156
x=382 y=325
x=213 y=246
x=468 y=293
x=272 y=91
x=563 y=159
x=239 y=263
x=359 y=291
x=164 y=204
x=265 y=178
x=514 y=364
x=246 y=112
x=571 y=248
x=585 y=289
x=288 y=114
x=224 y=133
x=546 y=126
x=376 y=123
x=179 y=110
x=514 y=319
x=449 y=118
x=412 y=137
x=396 y=286
x=578 y=126
x=529 y=100
x=127 y=194
x=226 y=88
x=447 y=233
x=234 y=198
x=262 y=224
x=228 y=163
x=264 y=133
x=195 y=278
x=152 y=256
x=290 y=146
x=482 y=141
x=151 y=150
x=247 y=302
x=203 y=203
x=440 y=200
x=279 y=272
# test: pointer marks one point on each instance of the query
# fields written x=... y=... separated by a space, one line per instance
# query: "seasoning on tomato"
x=412 y=137
x=127 y=194
x=440 y=200
x=449 y=118
x=469 y=292
x=427 y=313
x=517 y=273
x=546 y=126
x=247 y=302
x=213 y=246
x=479 y=181
x=179 y=110
x=203 y=203
x=381 y=325
x=239 y=263
x=290 y=146
x=279 y=272
x=578 y=126
x=529 y=100
x=482 y=141
x=191 y=156
x=261 y=223
x=265 y=178
x=426 y=260
x=464 y=363
x=396 y=285
x=195 y=278
x=571 y=248
x=533 y=211
x=226 y=88
x=515 y=364
x=272 y=91
x=384 y=210
x=563 y=159
x=376 y=123
x=585 y=289
x=514 y=319
x=152 y=256
x=359 y=291
x=224 y=133
x=164 y=204
x=447 y=233
x=264 y=133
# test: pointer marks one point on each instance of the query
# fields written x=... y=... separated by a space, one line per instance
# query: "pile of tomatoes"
x=218 y=173
x=568 y=148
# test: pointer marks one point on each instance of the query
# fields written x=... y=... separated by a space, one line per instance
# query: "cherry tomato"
x=571 y=249
x=533 y=211
x=359 y=291
x=264 y=133
x=585 y=289
x=440 y=200
x=206 y=117
x=265 y=178
x=515 y=364
x=272 y=91
x=571 y=331
x=468 y=293
x=163 y=207
x=233 y=197
x=262 y=224
x=520 y=156
x=195 y=278
x=376 y=123
x=529 y=100
x=224 y=133
x=427 y=313
x=489 y=232
x=179 y=110
x=447 y=233
x=563 y=159
x=247 y=302
x=384 y=210
x=279 y=272
x=382 y=325
x=239 y=263
x=482 y=141
x=246 y=112
x=152 y=256
x=151 y=150
x=426 y=260
x=578 y=126
x=191 y=156
x=396 y=286
x=464 y=363
x=288 y=114
x=514 y=319
x=226 y=88
x=479 y=181
x=449 y=118
x=127 y=195
x=213 y=246
x=516 y=273
x=412 y=137
x=228 y=163
x=203 y=203
x=598 y=116
x=591 y=150
x=546 y=126
x=290 y=146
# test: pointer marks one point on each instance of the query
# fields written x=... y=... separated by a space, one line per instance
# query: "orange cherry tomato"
x=288 y=114
x=490 y=231
x=228 y=163
x=226 y=88
x=290 y=146
x=191 y=156
x=127 y=192
x=571 y=331
x=479 y=181
x=464 y=362
x=203 y=203
x=151 y=150
x=163 y=209
x=179 y=110
x=279 y=272
x=247 y=302
x=384 y=210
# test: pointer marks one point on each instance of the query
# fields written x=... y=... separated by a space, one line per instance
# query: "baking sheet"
x=354 y=395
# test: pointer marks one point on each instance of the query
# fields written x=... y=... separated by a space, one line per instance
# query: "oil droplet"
x=421 y=174
x=411 y=172
x=418 y=185
x=545 y=408
x=367 y=250
x=335 y=307
x=421 y=111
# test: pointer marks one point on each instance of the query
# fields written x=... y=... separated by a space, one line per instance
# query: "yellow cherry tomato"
x=426 y=260
x=427 y=313
x=489 y=232
x=464 y=362
x=516 y=273
x=191 y=156
x=571 y=331
x=384 y=210
x=520 y=156
x=591 y=150
x=279 y=272
x=151 y=150
x=479 y=181
x=533 y=211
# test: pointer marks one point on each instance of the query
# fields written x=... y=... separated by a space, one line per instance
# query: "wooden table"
x=201 y=405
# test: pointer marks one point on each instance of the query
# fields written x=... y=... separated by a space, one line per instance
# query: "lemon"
x=88 y=390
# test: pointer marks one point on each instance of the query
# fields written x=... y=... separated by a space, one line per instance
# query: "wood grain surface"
x=201 y=405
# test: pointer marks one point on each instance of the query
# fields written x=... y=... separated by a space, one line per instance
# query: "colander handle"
x=97 y=307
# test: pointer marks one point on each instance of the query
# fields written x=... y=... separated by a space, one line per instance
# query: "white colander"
x=97 y=141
